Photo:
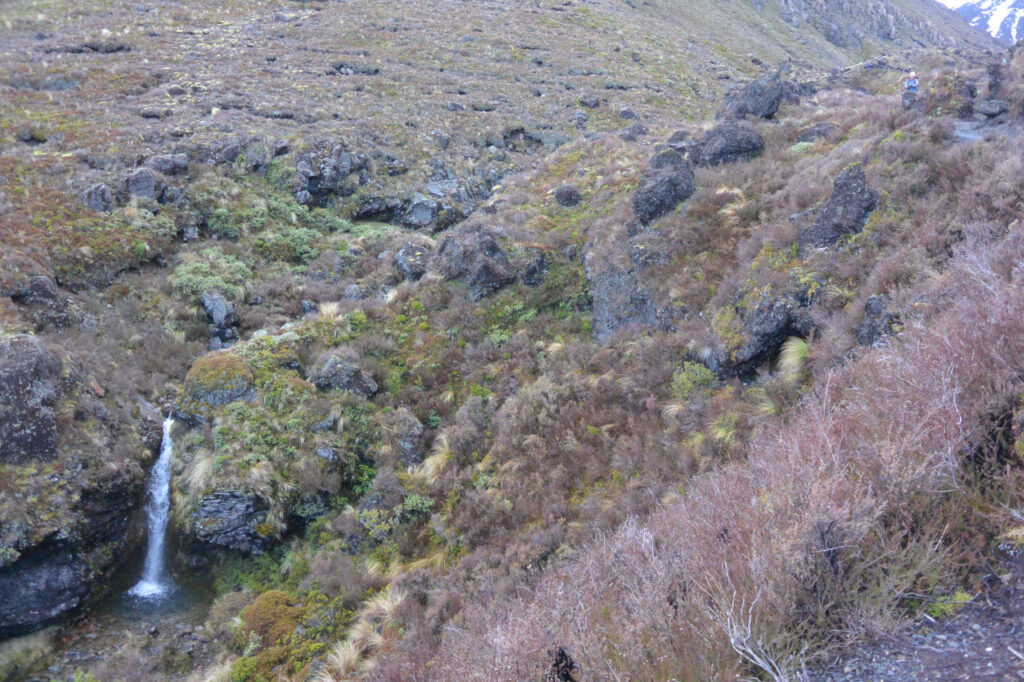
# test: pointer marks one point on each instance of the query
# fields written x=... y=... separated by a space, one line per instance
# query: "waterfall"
x=153 y=583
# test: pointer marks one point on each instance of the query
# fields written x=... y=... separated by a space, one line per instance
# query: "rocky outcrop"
x=472 y=254
x=336 y=172
x=727 y=143
x=141 y=183
x=168 y=164
x=233 y=520
x=846 y=212
x=47 y=577
x=760 y=99
x=338 y=370
x=220 y=313
x=98 y=198
x=752 y=335
x=663 y=188
x=407 y=437
x=412 y=260
x=619 y=300
x=30 y=377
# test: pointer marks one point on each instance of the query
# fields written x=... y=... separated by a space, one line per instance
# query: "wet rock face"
x=662 y=190
x=29 y=379
x=760 y=99
x=40 y=587
x=473 y=255
x=337 y=370
x=230 y=519
x=846 y=212
x=727 y=143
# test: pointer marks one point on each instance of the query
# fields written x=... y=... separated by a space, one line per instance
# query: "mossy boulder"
x=215 y=379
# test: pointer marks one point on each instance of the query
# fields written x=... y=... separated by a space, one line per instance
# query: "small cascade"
x=154 y=583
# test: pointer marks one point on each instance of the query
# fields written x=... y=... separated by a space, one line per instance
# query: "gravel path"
x=983 y=641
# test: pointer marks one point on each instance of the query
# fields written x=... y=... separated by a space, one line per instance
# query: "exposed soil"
x=983 y=641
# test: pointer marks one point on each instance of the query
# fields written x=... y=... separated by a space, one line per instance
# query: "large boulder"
x=141 y=182
x=412 y=260
x=213 y=380
x=760 y=99
x=727 y=143
x=846 y=211
x=168 y=164
x=30 y=377
x=40 y=587
x=750 y=335
x=338 y=370
x=472 y=254
x=231 y=519
x=662 y=190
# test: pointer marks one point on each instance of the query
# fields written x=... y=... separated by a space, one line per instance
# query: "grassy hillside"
x=545 y=401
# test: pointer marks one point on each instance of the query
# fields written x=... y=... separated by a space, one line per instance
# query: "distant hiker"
x=912 y=83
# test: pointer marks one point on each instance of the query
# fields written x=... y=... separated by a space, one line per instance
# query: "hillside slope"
x=441 y=294
x=1004 y=19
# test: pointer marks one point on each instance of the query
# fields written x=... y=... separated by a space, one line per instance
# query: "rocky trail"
x=982 y=641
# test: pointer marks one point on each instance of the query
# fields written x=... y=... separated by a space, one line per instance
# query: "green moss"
x=210 y=270
x=691 y=379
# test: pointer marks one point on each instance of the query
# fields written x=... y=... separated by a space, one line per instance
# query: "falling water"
x=153 y=583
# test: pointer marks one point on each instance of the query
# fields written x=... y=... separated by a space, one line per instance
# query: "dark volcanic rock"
x=533 y=270
x=223 y=322
x=231 y=519
x=141 y=183
x=662 y=192
x=877 y=323
x=568 y=196
x=98 y=198
x=992 y=108
x=727 y=142
x=324 y=174
x=52 y=580
x=422 y=212
x=29 y=380
x=472 y=254
x=760 y=99
x=816 y=132
x=619 y=300
x=219 y=310
x=168 y=164
x=337 y=370
x=847 y=210
x=764 y=329
x=408 y=437
x=412 y=260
